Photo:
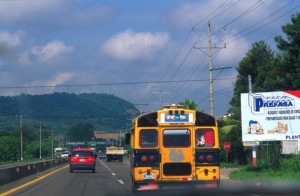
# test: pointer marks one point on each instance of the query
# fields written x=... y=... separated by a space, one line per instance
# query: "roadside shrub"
x=269 y=155
x=290 y=164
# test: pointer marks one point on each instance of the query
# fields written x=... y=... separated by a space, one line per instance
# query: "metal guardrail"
x=10 y=173
x=20 y=163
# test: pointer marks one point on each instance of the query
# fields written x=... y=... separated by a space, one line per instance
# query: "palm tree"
x=230 y=130
x=189 y=104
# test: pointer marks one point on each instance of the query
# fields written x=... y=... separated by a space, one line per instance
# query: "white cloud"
x=241 y=13
x=58 y=79
x=51 y=50
x=234 y=48
x=11 y=40
x=130 y=45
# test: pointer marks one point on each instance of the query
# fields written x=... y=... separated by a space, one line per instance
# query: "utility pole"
x=161 y=93
x=211 y=97
x=209 y=53
x=52 y=142
x=40 y=140
x=21 y=135
x=120 y=138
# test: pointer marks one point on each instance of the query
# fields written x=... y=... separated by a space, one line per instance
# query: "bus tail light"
x=146 y=158
x=152 y=158
x=201 y=158
x=210 y=158
x=207 y=157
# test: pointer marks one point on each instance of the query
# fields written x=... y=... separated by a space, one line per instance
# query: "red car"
x=83 y=159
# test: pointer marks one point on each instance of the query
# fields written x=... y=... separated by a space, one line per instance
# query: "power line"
x=193 y=29
x=106 y=84
x=210 y=14
x=253 y=7
x=238 y=35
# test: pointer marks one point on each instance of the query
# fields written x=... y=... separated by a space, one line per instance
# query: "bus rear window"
x=205 y=138
x=148 y=138
x=176 y=138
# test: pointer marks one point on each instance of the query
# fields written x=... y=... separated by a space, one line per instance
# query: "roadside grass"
x=229 y=165
x=288 y=170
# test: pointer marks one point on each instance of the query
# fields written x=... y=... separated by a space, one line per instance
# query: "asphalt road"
x=112 y=178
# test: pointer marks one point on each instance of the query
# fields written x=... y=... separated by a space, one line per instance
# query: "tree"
x=288 y=73
x=230 y=130
x=9 y=148
x=32 y=149
x=81 y=132
x=257 y=62
x=189 y=104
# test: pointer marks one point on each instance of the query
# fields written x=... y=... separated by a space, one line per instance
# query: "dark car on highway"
x=83 y=159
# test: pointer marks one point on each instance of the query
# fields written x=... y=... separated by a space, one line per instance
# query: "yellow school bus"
x=173 y=148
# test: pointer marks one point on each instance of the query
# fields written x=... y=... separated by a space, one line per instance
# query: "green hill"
x=60 y=111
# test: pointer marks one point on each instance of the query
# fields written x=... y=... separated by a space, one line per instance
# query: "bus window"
x=148 y=138
x=176 y=138
x=205 y=137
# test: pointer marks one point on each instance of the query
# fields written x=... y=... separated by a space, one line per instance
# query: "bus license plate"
x=148 y=176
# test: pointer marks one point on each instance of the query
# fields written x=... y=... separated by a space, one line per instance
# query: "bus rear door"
x=177 y=160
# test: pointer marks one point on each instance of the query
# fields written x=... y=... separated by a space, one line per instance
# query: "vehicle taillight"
x=201 y=158
x=144 y=158
x=210 y=158
x=152 y=158
x=73 y=159
x=207 y=157
x=90 y=158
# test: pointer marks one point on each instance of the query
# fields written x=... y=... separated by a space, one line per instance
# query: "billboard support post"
x=253 y=147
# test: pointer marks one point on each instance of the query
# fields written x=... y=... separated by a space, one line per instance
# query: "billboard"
x=270 y=116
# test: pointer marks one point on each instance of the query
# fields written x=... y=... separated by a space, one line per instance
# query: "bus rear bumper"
x=174 y=186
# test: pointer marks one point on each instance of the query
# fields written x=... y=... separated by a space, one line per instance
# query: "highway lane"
x=111 y=178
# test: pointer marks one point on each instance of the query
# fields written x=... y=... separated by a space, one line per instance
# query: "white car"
x=65 y=155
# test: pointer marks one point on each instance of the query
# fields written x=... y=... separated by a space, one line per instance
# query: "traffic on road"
x=112 y=178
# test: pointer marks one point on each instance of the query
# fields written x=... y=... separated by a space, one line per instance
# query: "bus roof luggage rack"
x=170 y=106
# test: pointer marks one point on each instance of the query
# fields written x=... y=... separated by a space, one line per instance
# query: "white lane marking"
x=120 y=181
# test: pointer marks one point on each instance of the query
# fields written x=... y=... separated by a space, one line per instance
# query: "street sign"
x=226 y=146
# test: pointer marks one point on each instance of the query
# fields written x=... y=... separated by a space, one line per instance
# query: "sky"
x=148 y=52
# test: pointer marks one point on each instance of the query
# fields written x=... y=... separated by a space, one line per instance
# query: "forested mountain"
x=60 y=111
